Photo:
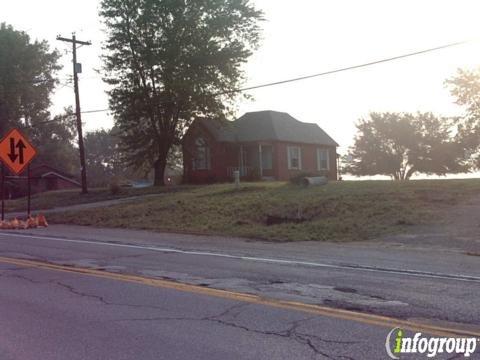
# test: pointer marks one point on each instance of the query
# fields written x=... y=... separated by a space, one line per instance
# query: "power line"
x=44 y=122
x=329 y=72
x=94 y=111
x=44 y=81
x=376 y=62
x=59 y=119
x=371 y=63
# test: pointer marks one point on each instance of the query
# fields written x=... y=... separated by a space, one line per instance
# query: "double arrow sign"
x=16 y=152
x=13 y=155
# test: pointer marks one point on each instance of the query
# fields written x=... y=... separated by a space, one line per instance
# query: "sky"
x=301 y=37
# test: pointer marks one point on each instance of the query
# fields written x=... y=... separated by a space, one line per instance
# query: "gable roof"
x=43 y=169
x=53 y=174
x=268 y=126
x=47 y=171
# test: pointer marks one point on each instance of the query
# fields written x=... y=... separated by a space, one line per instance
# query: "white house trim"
x=319 y=159
x=289 y=157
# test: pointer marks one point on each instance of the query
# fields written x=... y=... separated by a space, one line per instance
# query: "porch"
x=253 y=161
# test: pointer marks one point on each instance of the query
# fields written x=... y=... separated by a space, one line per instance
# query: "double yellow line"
x=369 y=319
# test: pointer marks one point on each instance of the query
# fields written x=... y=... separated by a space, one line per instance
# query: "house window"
x=323 y=159
x=294 y=157
x=201 y=160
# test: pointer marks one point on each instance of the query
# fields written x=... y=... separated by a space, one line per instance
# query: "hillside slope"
x=340 y=211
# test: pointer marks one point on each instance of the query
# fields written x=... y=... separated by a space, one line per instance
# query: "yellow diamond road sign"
x=16 y=152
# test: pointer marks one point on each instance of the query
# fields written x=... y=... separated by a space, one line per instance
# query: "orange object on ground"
x=42 y=221
x=15 y=224
x=5 y=225
x=30 y=223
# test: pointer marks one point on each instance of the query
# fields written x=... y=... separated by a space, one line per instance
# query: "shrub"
x=115 y=187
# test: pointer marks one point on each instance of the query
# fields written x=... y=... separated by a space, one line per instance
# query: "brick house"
x=42 y=178
x=261 y=145
x=47 y=178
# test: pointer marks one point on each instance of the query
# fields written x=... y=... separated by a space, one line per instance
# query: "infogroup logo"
x=397 y=344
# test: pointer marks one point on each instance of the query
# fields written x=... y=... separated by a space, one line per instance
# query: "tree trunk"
x=159 y=167
x=410 y=173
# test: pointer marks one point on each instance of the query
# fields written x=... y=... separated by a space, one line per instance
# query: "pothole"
x=345 y=290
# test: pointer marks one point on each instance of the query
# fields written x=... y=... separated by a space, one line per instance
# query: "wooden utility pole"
x=81 y=146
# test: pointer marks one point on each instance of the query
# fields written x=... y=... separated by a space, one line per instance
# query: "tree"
x=167 y=62
x=106 y=161
x=401 y=144
x=27 y=78
x=465 y=87
x=103 y=157
x=54 y=141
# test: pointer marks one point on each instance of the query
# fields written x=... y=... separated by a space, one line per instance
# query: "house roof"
x=47 y=171
x=43 y=169
x=268 y=126
x=53 y=174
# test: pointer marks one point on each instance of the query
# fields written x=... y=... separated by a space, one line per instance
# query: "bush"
x=115 y=187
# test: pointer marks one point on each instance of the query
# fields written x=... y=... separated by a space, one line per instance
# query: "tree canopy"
x=168 y=61
x=27 y=78
x=55 y=142
x=402 y=144
x=465 y=87
x=103 y=157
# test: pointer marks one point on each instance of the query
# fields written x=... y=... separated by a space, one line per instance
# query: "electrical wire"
x=325 y=73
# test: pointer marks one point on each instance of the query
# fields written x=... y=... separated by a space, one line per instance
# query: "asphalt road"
x=280 y=301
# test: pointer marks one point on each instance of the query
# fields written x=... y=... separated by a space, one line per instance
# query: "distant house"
x=47 y=178
x=42 y=178
x=261 y=145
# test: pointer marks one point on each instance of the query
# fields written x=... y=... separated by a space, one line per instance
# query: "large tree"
x=103 y=157
x=28 y=72
x=401 y=144
x=167 y=62
x=465 y=87
x=27 y=78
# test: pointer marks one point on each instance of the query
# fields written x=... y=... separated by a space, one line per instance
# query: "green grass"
x=60 y=198
x=339 y=211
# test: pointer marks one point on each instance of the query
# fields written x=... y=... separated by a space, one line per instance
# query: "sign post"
x=29 y=191
x=3 y=192
x=16 y=153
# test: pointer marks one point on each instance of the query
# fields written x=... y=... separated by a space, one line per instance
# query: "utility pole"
x=81 y=146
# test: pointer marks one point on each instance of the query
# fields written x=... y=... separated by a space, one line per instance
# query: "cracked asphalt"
x=49 y=314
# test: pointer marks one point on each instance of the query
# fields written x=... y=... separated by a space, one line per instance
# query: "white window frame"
x=289 y=158
x=319 y=160
x=202 y=145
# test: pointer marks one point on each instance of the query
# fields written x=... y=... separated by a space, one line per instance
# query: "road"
x=83 y=293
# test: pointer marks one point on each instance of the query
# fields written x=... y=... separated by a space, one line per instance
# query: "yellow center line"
x=370 y=319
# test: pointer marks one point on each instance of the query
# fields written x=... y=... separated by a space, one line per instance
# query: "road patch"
x=364 y=318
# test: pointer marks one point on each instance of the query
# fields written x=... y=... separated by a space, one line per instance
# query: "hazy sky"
x=301 y=37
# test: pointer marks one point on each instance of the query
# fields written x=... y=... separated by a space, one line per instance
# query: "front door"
x=266 y=161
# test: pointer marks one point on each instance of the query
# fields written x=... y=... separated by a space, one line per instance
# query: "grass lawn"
x=59 y=198
x=339 y=211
